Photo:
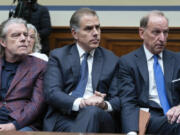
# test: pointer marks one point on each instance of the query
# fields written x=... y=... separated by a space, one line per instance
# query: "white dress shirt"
x=153 y=93
x=89 y=89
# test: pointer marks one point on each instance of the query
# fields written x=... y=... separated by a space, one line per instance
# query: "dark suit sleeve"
x=54 y=85
x=35 y=106
x=130 y=110
x=113 y=92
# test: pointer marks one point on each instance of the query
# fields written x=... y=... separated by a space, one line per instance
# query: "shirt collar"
x=81 y=51
x=4 y=63
x=149 y=55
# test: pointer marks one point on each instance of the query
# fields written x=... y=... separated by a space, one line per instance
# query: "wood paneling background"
x=121 y=40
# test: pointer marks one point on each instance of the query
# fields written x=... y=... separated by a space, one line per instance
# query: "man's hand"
x=96 y=100
x=174 y=115
x=82 y=103
x=102 y=104
x=7 y=127
x=97 y=93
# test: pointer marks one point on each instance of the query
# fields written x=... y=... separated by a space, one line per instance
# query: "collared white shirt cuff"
x=132 y=133
x=109 y=109
x=76 y=104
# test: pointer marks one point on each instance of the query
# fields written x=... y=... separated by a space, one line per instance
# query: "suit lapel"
x=169 y=64
x=97 y=68
x=22 y=70
x=143 y=70
x=142 y=64
x=75 y=63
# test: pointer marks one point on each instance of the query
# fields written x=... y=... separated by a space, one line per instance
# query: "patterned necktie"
x=159 y=78
x=79 y=91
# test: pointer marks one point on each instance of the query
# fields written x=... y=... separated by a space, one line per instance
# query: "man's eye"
x=166 y=32
x=16 y=35
x=88 y=28
x=25 y=34
x=97 y=27
x=156 y=32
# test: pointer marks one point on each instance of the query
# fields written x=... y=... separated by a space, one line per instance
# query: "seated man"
x=80 y=84
x=149 y=80
x=21 y=91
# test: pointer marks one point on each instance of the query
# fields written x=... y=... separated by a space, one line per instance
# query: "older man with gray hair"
x=21 y=91
x=149 y=80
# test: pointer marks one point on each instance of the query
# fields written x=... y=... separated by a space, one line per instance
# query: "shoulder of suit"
x=107 y=52
x=170 y=52
x=61 y=52
x=131 y=54
x=62 y=49
x=34 y=60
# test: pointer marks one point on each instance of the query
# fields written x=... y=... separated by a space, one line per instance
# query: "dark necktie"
x=159 y=78
x=79 y=91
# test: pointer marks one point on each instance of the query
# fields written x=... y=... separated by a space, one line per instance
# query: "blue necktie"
x=159 y=78
x=79 y=91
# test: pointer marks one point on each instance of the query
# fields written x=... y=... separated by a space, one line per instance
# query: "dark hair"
x=75 y=19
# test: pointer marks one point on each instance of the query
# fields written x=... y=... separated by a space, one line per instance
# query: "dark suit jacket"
x=63 y=73
x=134 y=85
x=24 y=98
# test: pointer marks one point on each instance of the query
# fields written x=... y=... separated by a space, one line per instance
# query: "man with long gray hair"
x=21 y=91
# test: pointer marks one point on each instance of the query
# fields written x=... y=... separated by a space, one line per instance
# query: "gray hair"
x=4 y=29
x=145 y=19
x=75 y=19
x=37 y=46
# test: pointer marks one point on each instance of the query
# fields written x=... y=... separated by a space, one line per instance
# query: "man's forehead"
x=153 y=19
x=88 y=17
x=90 y=24
x=16 y=27
x=89 y=21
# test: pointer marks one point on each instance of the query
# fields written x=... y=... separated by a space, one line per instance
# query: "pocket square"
x=176 y=80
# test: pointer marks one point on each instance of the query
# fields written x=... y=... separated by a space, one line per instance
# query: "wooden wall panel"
x=121 y=40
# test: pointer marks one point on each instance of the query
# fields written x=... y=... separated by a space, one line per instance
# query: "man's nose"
x=162 y=36
x=28 y=39
x=95 y=31
x=23 y=37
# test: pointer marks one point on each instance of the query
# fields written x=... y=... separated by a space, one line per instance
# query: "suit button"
x=4 y=103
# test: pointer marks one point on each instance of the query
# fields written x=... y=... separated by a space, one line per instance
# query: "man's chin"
x=158 y=51
x=94 y=46
x=23 y=53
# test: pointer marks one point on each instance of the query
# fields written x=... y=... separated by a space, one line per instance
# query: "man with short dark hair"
x=149 y=80
x=21 y=92
x=81 y=81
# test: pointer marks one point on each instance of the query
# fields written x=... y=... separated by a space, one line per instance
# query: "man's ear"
x=74 y=33
x=3 y=42
x=141 y=32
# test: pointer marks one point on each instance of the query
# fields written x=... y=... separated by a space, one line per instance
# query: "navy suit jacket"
x=63 y=74
x=24 y=98
x=134 y=85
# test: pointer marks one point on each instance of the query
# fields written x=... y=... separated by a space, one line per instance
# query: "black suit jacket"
x=134 y=85
x=62 y=76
